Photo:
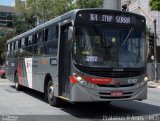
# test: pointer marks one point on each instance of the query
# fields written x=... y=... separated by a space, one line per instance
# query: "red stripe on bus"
x=72 y=80
x=19 y=74
x=98 y=80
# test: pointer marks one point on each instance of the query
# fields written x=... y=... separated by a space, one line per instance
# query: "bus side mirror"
x=70 y=32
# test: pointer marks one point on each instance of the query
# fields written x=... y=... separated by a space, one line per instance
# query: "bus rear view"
x=108 y=57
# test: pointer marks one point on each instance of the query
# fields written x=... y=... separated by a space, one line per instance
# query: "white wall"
x=112 y=4
x=144 y=4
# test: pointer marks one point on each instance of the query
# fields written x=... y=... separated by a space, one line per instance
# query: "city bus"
x=85 y=55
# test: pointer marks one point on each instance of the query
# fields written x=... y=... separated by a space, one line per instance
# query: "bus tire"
x=17 y=85
x=3 y=76
x=52 y=100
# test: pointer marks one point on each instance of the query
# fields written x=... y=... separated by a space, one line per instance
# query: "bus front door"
x=64 y=62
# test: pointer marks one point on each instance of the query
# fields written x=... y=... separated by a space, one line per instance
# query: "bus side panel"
x=11 y=68
x=24 y=72
x=41 y=67
x=21 y=72
x=37 y=75
x=8 y=69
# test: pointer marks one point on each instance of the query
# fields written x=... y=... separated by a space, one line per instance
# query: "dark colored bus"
x=85 y=55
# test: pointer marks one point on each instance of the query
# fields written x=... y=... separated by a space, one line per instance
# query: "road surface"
x=29 y=105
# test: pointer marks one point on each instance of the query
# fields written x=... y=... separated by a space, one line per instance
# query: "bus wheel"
x=52 y=100
x=17 y=86
x=3 y=76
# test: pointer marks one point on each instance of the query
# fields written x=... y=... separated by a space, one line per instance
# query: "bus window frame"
x=47 y=28
x=12 y=48
x=8 y=47
x=37 y=38
x=19 y=43
x=23 y=44
x=26 y=41
x=46 y=41
x=37 y=43
x=32 y=40
x=16 y=44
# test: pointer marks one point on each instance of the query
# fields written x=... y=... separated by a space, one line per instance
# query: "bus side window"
x=38 y=48
x=29 y=47
x=22 y=50
x=23 y=42
x=39 y=37
x=19 y=44
x=26 y=41
x=51 y=38
x=11 y=53
x=16 y=45
x=8 y=47
x=34 y=39
x=12 y=46
x=8 y=50
x=30 y=40
x=16 y=49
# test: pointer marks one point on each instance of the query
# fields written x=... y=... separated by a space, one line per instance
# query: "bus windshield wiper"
x=129 y=33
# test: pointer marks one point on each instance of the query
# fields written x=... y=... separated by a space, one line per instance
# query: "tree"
x=44 y=10
x=33 y=11
x=89 y=3
x=3 y=40
x=24 y=18
x=155 y=5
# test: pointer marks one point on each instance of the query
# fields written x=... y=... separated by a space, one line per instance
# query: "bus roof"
x=71 y=14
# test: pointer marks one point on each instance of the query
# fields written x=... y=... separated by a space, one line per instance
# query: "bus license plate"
x=117 y=93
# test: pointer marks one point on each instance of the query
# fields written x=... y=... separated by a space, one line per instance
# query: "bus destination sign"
x=110 y=18
x=107 y=18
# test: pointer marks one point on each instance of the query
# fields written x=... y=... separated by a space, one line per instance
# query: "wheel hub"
x=50 y=92
x=16 y=84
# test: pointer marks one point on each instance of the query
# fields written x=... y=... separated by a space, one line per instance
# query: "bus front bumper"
x=81 y=93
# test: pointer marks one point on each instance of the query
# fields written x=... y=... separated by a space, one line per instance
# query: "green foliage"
x=88 y=3
x=44 y=10
x=155 y=5
x=24 y=18
x=3 y=40
x=28 y=14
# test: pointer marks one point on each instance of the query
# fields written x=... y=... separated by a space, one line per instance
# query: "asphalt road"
x=29 y=105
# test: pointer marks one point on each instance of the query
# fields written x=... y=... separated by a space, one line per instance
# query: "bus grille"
x=117 y=74
x=104 y=85
x=108 y=72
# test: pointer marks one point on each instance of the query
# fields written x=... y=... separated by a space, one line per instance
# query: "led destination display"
x=108 y=17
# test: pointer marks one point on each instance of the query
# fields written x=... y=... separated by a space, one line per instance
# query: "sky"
x=6 y=2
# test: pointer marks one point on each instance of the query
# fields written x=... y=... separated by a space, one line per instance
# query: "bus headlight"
x=145 y=79
x=81 y=81
x=84 y=83
x=79 y=78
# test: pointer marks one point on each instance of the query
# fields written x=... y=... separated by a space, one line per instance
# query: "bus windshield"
x=109 y=47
